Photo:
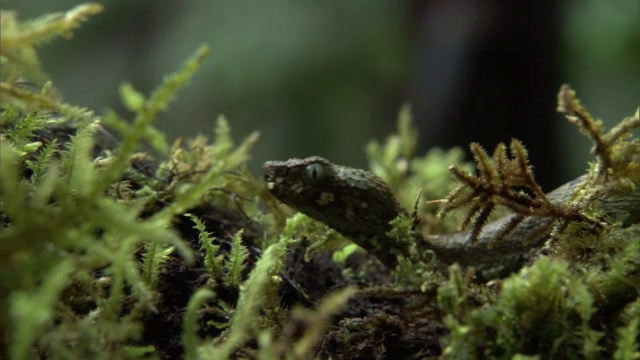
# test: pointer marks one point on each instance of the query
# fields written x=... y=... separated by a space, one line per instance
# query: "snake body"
x=360 y=206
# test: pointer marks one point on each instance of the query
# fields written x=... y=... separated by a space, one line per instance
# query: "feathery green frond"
x=628 y=346
x=244 y=323
x=213 y=261
x=235 y=264
x=154 y=256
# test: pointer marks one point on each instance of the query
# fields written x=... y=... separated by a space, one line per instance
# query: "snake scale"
x=360 y=206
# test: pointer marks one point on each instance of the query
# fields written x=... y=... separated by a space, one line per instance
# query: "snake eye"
x=315 y=171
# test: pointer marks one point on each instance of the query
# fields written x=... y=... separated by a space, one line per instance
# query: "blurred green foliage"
x=315 y=78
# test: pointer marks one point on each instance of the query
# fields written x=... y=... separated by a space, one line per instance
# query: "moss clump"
x=89 y=230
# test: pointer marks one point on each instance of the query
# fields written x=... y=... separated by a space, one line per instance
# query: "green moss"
x=212 y=258
x=245 y=321
x=103 y=246
x=545 y=309
x=64 y=224
x=236 y=263
x=627 y=345
x=424 y=177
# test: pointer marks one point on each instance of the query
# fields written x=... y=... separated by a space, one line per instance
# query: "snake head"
x=354 y=202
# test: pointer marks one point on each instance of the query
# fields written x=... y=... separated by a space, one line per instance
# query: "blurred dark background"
x=323 y=78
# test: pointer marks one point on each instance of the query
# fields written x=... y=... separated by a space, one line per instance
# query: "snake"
x=360 y=206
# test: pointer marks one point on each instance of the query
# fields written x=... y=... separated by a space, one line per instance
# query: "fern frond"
x=235 y=264
x=213 y=261
x=78 y=162
x=42 y=161
x=153 y=258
